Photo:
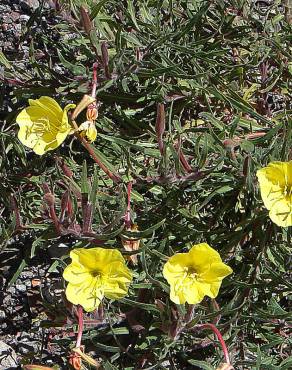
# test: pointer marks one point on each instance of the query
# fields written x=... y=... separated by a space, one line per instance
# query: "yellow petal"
x=177 y=297
x=202 y=255
x=76 y=273
x=45 y=143
x=281 y=213
x=193 y=294
x=274 y=173
x=175 y=267
x=40 y=147
x=23 y=118
x=216 y=272
x=206 y=289
x=116 y=281
x=48 y=102
x=41 y=111
x=96 y=258
x=27 y=139
x=61 y=136
x=84 y=294
x=88 y=130
x=91 y=133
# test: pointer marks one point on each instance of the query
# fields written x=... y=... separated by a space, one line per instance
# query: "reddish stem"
x=94 y=80
x=55 y=219
x=219 y=336
x=128 y=215
x=50 y=200
x=14 y=206
x=80 y=326
x=160 y=126
x=115 y=178
x=184 y=162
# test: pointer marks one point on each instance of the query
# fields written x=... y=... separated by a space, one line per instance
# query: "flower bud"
x=91 y=113
x=49 y=199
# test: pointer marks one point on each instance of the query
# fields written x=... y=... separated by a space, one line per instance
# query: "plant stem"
x=113 y=177
x=128 y=214
x=219 y=336
x=94 y=80
x=88 y=147
x=80 y=326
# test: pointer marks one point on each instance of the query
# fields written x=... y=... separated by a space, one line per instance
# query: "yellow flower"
x=96 y=273
x=276 y=191
x=43 y=125
x=88 y=130
x=195 y=274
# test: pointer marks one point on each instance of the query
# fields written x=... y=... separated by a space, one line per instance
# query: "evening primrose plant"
x=161 y=203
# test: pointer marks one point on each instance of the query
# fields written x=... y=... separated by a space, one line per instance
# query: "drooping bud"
x=92 y=112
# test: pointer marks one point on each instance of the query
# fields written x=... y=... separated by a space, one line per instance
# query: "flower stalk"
x=115 y=178
x=80 y=326
x=128 y=211
x=219 y=337
x=49 y=198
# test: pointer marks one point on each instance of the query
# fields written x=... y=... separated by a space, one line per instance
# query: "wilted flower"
x=195 y=274
x=131 y=245
x=276 y=190
x=88 y=130
x=43 y=125
x=96 y=273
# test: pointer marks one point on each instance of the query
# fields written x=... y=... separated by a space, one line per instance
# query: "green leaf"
x=201 y=364
x=4 y=60
x=84 y=180
x=19 y=270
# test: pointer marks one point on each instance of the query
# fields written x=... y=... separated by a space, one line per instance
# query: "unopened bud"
x=49 y=199
x=91 y=113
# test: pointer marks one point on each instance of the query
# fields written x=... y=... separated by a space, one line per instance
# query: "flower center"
x=43 y=125
x=96 y=273
x=192 y=273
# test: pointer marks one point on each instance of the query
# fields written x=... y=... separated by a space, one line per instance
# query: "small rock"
x=25 y=348
x=28 y=5
x=24 y=18
x=11 y=290
x=4 y=326
x=8 y=359
x=20 y=287
x=2 y=315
